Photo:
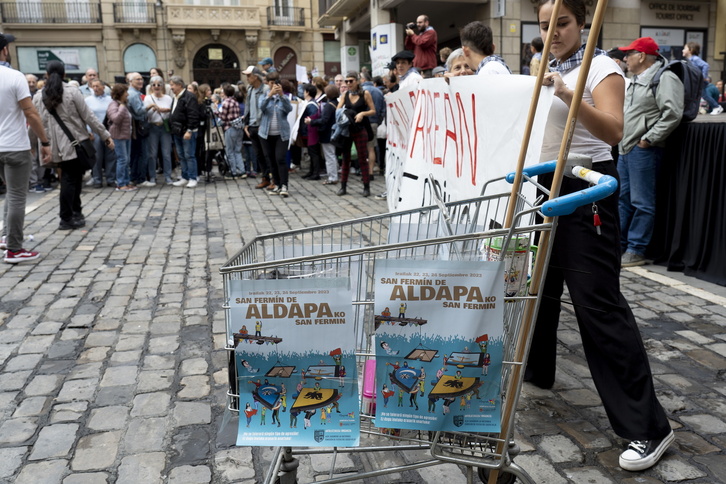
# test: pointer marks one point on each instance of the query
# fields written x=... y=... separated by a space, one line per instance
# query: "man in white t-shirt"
x=16 y=109
x=477 y=43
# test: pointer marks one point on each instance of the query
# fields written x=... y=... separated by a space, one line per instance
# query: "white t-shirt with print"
x=583 y=142
x=13 y=128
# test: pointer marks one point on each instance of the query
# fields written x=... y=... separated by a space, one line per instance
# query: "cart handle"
x=605 y=185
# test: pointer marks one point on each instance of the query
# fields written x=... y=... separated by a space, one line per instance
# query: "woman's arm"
x=371 y=107
x=605 y=119
x=341 y=103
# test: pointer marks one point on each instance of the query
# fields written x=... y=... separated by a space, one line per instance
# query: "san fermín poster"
x=439 y=344
x=295 y=359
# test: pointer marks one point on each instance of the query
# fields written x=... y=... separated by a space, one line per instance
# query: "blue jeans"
x=638 y=172
x=249 y=158
x=123 y=151
x=105 y=162
x=185 y=149
x=158 y=135
x=233 y=149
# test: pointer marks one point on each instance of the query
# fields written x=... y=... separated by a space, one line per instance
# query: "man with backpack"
x=650 y=116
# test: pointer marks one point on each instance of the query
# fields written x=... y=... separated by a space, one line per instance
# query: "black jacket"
x=325 y=121
x=186 y=111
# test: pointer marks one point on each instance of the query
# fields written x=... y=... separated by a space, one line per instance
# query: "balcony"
x=134 y=13
x=282 y=16
x=332 y=12
x=36 y=12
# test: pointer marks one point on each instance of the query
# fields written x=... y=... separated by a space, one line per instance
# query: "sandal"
x=329 y=182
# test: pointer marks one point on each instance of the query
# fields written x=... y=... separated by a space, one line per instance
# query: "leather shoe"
x=263 y=184
x=307 y=175
x=314 y=177
x=342 y=191
x=366 y=192
x=70 y=225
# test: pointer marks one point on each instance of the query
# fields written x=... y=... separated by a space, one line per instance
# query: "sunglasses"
x=156 y=85
x=350 y=81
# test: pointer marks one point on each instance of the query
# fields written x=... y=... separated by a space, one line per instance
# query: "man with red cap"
x=648 y=120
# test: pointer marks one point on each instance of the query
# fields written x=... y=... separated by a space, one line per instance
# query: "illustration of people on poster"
x=441 y=350
x=295 y=360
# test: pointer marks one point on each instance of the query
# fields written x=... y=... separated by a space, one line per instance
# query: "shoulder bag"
x=85 y=151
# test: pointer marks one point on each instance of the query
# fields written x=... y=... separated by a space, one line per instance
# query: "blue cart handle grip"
x=534 y=170
x=605 y=185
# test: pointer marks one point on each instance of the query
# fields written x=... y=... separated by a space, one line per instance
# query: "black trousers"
x=71 y=183
x=264 y=166
x=590 y=266
x=316 y=160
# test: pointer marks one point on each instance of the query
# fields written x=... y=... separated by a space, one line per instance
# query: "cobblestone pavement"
x=112 y=367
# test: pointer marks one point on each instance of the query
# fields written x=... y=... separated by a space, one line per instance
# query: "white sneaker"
x=192 y=184
x=148 y=184
x=90 y=182
x=283 y=191
x=716 y=111
x=643 y=454
x=181 y=183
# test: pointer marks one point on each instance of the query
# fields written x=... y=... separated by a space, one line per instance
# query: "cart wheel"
x=503 y=478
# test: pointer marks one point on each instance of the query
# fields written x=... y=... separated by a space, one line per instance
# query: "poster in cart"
x=439 y=344
x=295 y=359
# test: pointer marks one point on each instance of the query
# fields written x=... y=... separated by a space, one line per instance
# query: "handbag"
x=85 y=151
x=142 y=129
x=213 y=140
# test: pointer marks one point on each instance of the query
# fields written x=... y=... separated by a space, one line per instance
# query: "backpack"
x=692 y=80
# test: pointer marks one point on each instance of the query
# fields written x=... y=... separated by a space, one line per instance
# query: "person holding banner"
x=588 y=259
x=358 y=103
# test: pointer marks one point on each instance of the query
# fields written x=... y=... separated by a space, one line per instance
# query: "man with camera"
x=423 y=42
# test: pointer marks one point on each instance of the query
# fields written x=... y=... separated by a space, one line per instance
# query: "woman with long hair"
x=359 y=103
x=158 y=108
x=156 y=72
x=587 y=258
x=68 y=104
x=119 y=117
x=324 y=124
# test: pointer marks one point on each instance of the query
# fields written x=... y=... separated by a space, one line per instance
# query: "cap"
x=646 y=45
x=5 y=39
x=616 y=53
x=265 y=61
x=437 y=70
x=253 y=70
x=403 y=55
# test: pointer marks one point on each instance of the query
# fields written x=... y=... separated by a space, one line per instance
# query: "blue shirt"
x=99 y=105
x=136 y=105
x=378 y=102
x=701 y=64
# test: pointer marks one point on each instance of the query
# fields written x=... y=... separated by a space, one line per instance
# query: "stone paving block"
x=589 y=475
x=165 y=328
x=68 y=412
x=581 y=397
x=101 y=338
x=92 y=355
x=704 y=423
x=87 y=478
x=119 y=375
x=130 y=342
x=96 y=451
x=190 y=445
x=14 y=335
x=75 y=390
x=45 y=472
x=540 y=469
x=151 y=381
x=115 y=395
x=146 y=468
x=54 y=441
x=15 y=380
x=163 y=345
x=86 y=370
x=23 y=362
x=158 y=362
x=586 y=434
x=47 y=328
x=72 y=334
x=194 y=387
x=672 y=468
x=32 y=406
x=190 y=475
x=194 y=366
x=192 y=413
x=145 y=435
x=10 y=460
x=151 y=404
x=234 y=464
x=120 y=358
x=561 y=449
x=691 y=443
x=108 y=418
x=708 y=359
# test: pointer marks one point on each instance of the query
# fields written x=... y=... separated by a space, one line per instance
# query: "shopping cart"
x=465 y=231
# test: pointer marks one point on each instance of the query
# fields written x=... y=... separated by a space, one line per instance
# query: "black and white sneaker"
x=642 y=454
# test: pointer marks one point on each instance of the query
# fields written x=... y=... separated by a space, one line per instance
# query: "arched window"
x=139 y=58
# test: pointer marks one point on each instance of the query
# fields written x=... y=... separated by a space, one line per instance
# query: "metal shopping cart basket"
x=466 y=230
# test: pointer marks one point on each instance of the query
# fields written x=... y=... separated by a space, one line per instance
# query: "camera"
x=411 y=26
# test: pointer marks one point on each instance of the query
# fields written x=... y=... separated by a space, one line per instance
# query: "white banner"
x=463 y=134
